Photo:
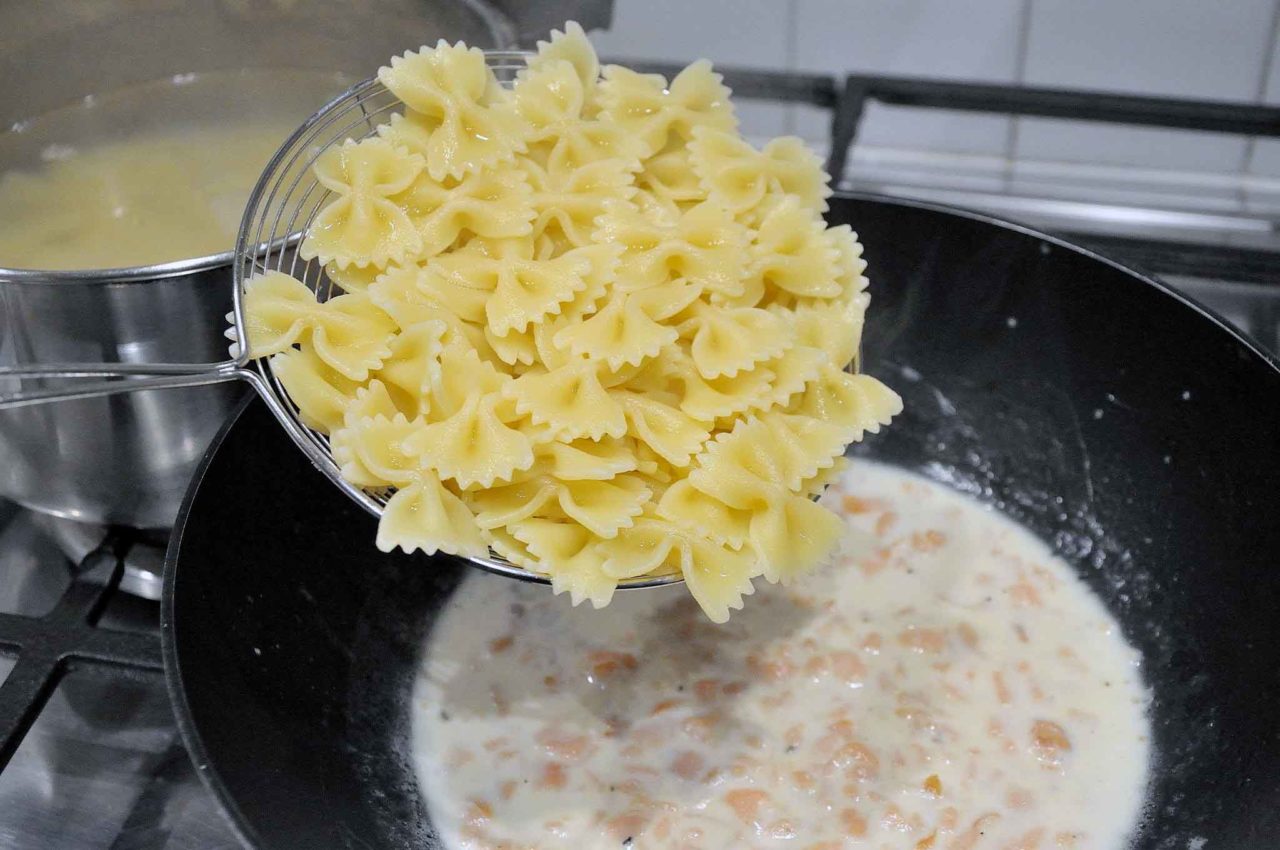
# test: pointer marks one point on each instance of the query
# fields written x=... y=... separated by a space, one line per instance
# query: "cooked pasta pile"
x=584 y=324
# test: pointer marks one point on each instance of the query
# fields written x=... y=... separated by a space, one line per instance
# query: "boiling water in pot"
x=146 y=174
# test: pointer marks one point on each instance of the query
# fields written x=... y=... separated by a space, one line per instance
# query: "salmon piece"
x=553 y=776
x=970 y=837
x=734 y=688
x=700 y=726
x=665 y=705
x=687 y=765
x=500 y=645
x=858 y=759
x=1029 y=840
x=1002 y=688
x=928 y=541
x=1025 y=593
x=1019 y=798
x=479 y=811
x=968 y=635
x=1049 y=741
x=509 y=789
x=803 y=780
x=855 y=825
x=826 y=845
x=872 y=643
x=746 y=803
x=459 y=756
x=923 y=640
x=626 y=825
x=551 y=683
x=886 y=521
x=933 y=785
x=848 y=667
x=842 y=728
x=855 y=505
x=563 y=745
x=605 y=663
x=706 y=689
x=928 y=841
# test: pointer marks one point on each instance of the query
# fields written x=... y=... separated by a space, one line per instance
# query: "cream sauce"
x=947 y=683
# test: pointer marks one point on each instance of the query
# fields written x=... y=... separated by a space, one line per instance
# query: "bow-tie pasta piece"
x=670 y=177
x=514 y=348
x=426 y=515
x=460 y=120
x=355 y=278
x=710 y=399
x=277 y=310
x=603 y=507
x=570 y=557
x=473 y=446
x=413 y=367
x=491 y=204
x=792 y=255
x=320 y=393
x=804 y=446
x=587 y=460
x=671 y=433
x=724 y=341
x=735 y=174
x=856 y=403
x=351 y=334
x=567 y=201
x=371 y=409
x=703 y=245
x=462 y=372
x=372 y=450
x=691 y=509
x=571 y=400
x=647 y=108
x=571 y=46
x=620 y=333
x=792 y=371
x=834 y=326
x=361 y=225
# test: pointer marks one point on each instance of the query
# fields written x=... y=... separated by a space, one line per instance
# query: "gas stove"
x=90 y=756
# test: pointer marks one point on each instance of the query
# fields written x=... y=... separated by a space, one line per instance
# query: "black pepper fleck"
x=444 y=715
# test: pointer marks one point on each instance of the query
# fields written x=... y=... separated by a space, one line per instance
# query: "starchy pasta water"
x=583 y=324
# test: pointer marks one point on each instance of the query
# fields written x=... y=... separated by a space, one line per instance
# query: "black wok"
x=1127 y=426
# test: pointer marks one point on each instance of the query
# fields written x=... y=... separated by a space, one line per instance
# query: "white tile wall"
x=943 y=38
x=1187 y=48
x=1217 y=49
x=745 y=33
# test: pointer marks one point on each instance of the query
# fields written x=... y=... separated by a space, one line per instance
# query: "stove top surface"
x=102 y=764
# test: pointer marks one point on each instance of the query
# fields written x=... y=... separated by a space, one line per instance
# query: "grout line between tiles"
x=1268 y=62
x=791 y=57
x=1019 y=77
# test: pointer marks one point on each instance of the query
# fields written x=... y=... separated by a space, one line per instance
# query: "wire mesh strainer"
x=279 y=212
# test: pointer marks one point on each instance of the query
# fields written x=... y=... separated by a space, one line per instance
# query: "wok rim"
x=184 y=719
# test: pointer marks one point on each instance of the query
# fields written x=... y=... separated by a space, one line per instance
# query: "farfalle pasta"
x=579 y=323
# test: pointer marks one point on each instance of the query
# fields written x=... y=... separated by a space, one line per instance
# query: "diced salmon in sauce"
x=947 y=684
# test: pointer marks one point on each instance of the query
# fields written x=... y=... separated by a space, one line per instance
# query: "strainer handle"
x=149 y=376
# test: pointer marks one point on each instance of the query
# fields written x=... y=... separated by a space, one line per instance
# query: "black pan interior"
x=1123 y=424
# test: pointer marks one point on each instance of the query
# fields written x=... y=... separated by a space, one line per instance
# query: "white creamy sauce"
x=947 y=683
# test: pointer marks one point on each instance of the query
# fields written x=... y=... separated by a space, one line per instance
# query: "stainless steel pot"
x=126 y=459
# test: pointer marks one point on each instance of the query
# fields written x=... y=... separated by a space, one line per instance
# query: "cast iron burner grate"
x=68 y=638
